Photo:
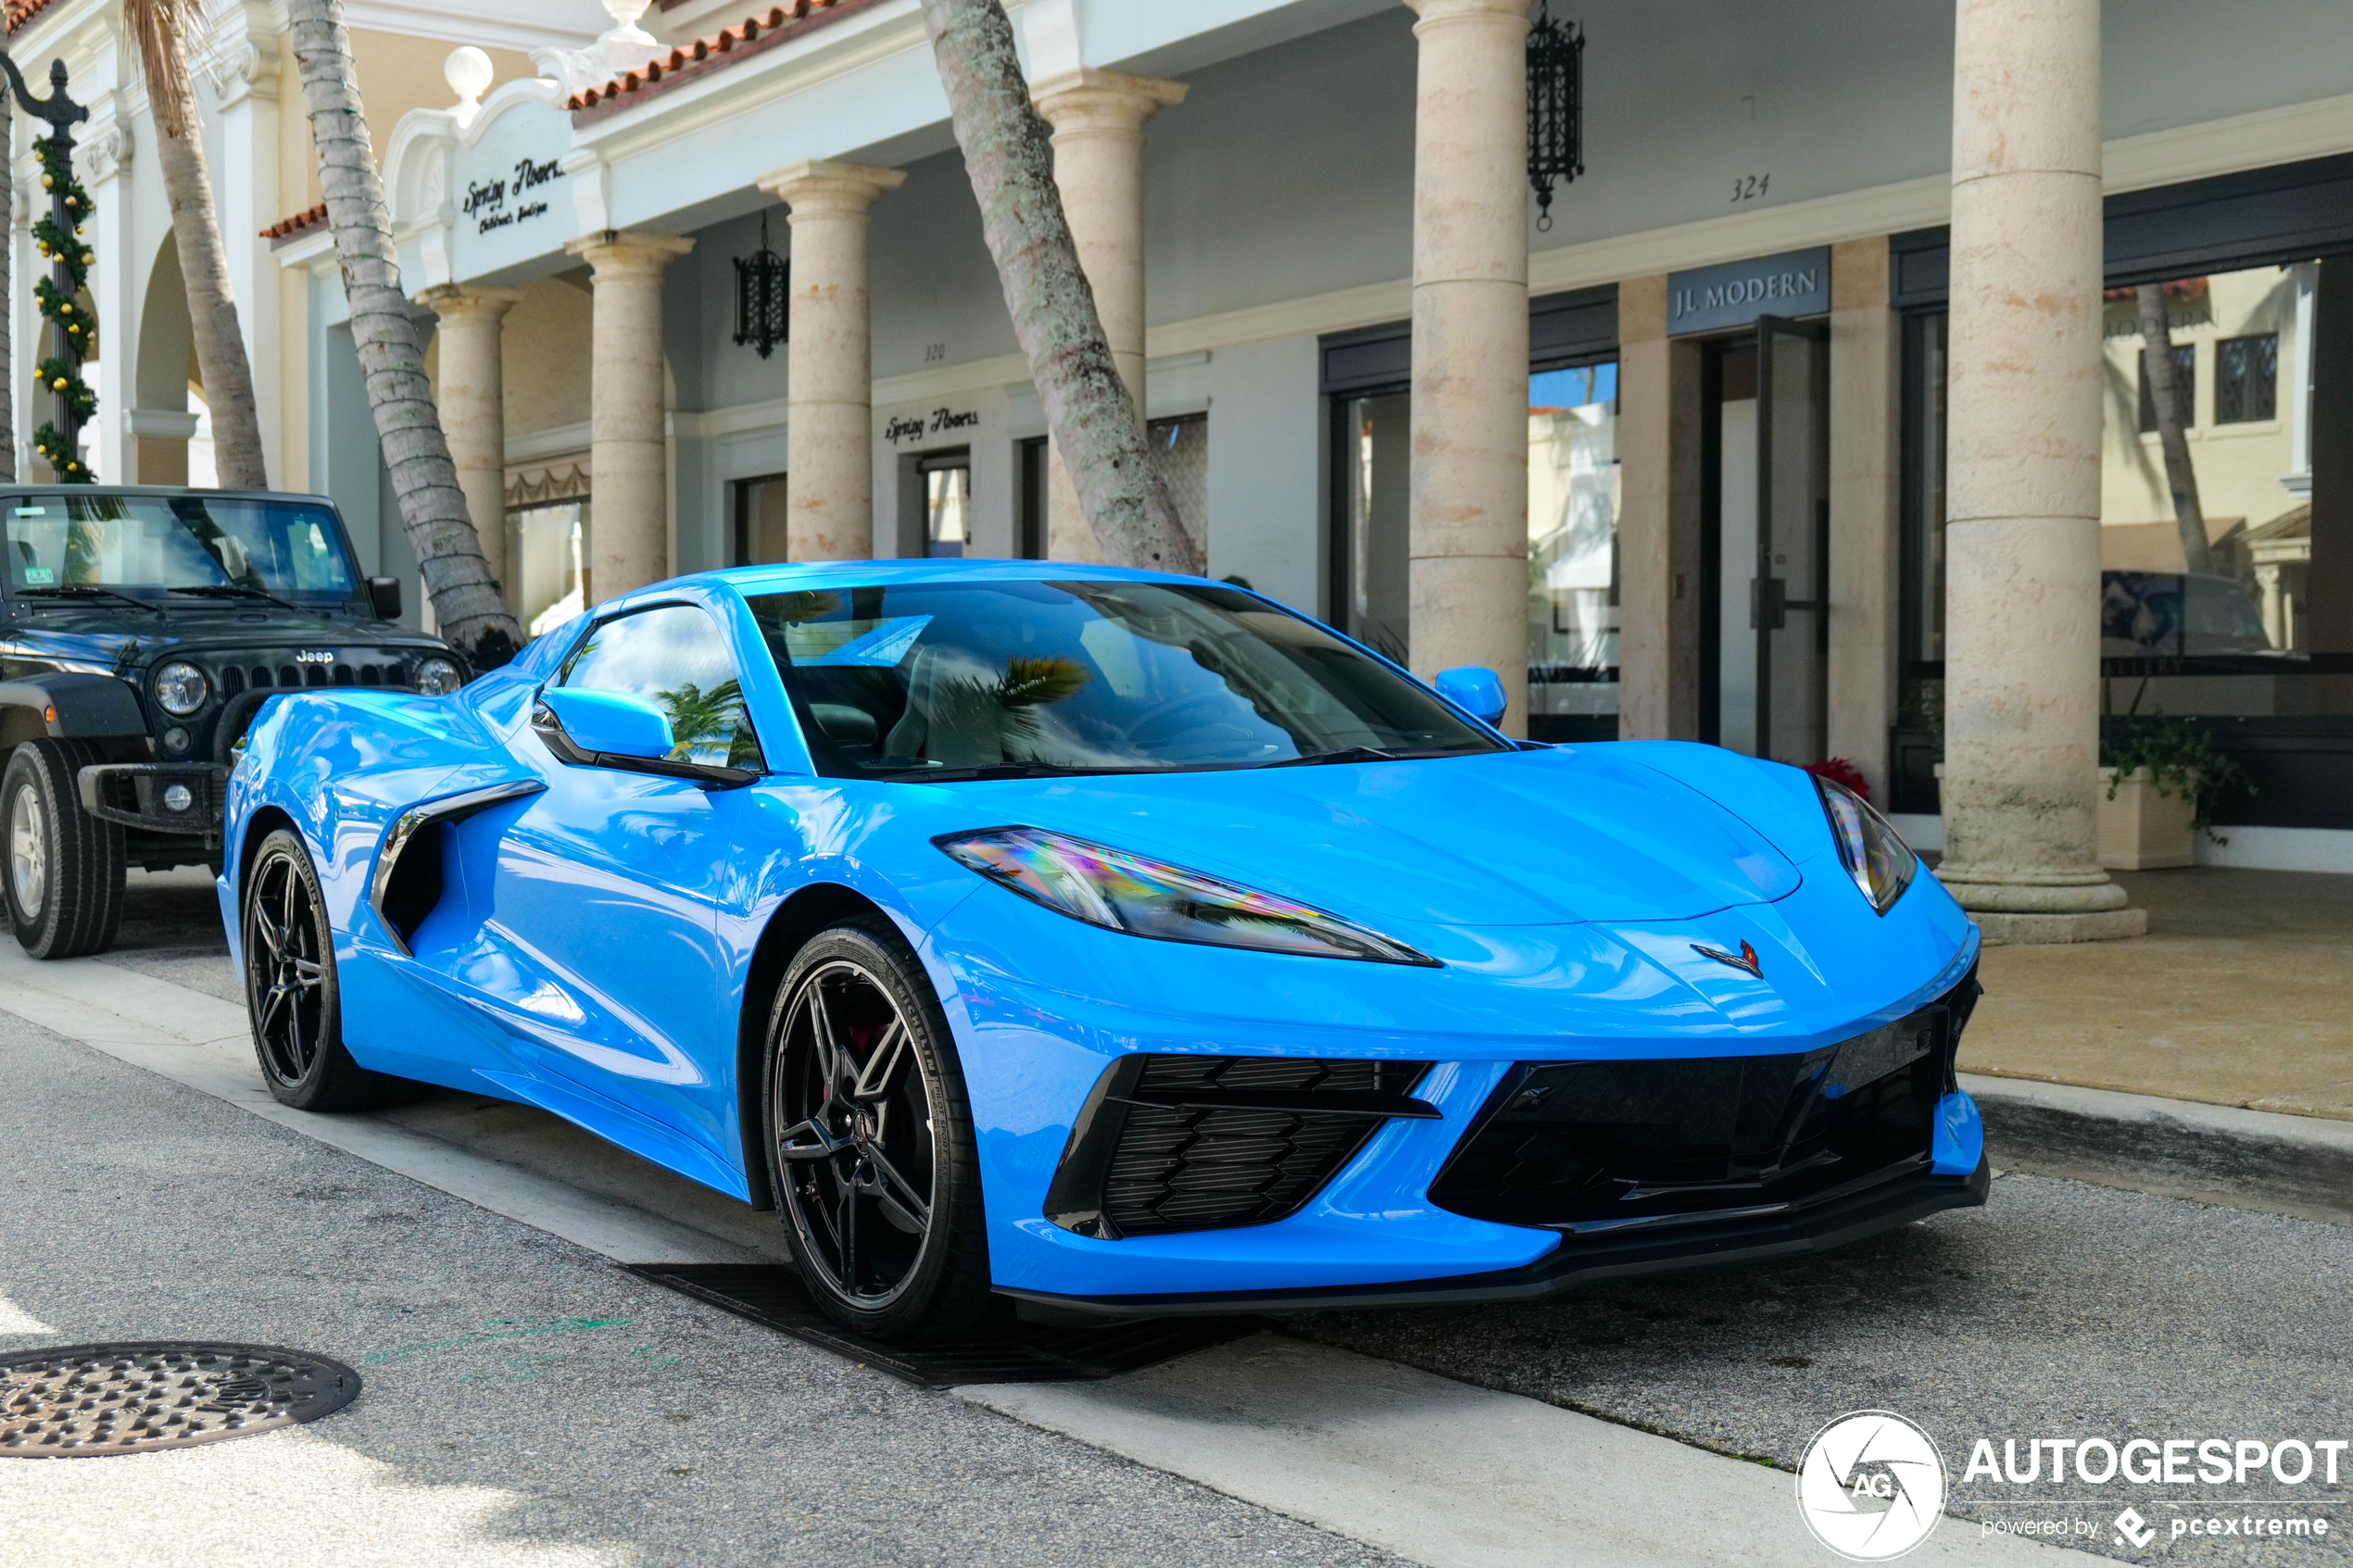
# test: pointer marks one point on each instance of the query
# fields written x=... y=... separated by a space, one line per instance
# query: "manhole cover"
x=73 y=1401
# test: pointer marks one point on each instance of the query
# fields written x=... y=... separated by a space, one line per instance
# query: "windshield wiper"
x=87 y=591
x=1351 y=754
x=993 y=770
x=235 y=591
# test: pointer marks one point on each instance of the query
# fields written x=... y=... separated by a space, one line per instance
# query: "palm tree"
x=164 y=31
x=1009 y=156
x=8 y=342
x=2166 y=396
x=466 y=600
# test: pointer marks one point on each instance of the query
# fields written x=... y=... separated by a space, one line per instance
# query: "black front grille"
x=1593 y=1145
x=1186 y=1143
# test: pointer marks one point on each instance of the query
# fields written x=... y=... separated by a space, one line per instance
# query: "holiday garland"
x=60 y=297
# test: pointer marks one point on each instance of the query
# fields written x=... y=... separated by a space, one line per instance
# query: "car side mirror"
x=384 y=597
x=611 y=723
x=1474 y=689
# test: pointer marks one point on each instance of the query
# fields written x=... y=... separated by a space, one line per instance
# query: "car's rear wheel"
x=292 y=997
x=63 y=874
x=870 y=1146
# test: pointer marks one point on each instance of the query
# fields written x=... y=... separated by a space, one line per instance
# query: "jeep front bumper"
x=139 y=795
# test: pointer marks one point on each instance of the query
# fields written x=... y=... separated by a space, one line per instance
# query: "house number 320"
x=1748 y=187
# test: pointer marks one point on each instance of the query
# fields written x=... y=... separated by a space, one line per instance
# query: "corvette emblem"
x=1746 y=958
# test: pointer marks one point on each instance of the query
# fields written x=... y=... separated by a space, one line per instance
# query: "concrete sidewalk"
x=2240 y=994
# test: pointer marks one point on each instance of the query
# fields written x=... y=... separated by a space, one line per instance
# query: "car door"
x=604 y=894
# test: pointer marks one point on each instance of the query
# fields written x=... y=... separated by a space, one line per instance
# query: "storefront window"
x=544 y=546
x=2221 y=595
x=1572 y=542
x=1572 y=553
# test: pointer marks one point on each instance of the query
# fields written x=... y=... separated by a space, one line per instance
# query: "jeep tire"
x=60 y=868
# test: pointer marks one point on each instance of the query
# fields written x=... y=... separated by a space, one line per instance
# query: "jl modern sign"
x=1709 y=299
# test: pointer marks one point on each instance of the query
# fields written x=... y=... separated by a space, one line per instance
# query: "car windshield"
x=147 y=545
x=947 y=680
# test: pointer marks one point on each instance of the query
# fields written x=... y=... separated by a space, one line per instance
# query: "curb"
x=2295 y=1165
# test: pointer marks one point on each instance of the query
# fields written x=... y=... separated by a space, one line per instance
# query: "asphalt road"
x=506 y=1360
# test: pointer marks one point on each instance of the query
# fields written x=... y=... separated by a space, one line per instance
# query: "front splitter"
x=1583 y=1261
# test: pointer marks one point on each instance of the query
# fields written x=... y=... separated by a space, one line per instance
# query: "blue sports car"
x=1110 y=941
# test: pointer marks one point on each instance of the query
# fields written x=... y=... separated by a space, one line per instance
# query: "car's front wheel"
x=63 y=875
x=292 y=998
x=870 y=1146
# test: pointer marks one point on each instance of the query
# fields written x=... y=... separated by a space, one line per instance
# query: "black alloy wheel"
x=292 y=999
x=872 y=1155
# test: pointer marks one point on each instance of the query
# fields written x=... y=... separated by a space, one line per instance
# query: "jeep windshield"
x=946 y=681
x=72 y=546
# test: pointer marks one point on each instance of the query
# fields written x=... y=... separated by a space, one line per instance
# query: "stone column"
x=472 y=397
x=1865 y=399
x=2023 y=443
x=1468 y=491
x=1098 y=118
x=628 y=542
x=829 y=479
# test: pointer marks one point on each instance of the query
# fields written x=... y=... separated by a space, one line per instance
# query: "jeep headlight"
x=437 y=676
x=1875 y=855
x=1146 y=897
x=179 y=689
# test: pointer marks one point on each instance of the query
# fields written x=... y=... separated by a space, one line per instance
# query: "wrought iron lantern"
x=763 y=282
x=1555 y=108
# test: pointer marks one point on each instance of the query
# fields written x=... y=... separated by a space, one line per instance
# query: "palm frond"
x=168 y=34
x=1035 y=682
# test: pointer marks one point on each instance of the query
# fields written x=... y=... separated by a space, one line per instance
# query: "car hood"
x=1509 y=838
x=102 y=634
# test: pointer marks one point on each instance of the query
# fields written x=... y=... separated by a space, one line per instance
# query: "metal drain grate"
x=771 y=1295
x=77 y=1401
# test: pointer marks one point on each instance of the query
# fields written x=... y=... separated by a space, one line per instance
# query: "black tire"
x=872 y=1154
x=292 y=1000
x=61 y=867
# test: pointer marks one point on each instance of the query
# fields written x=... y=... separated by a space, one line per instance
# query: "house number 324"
x=1748 y=187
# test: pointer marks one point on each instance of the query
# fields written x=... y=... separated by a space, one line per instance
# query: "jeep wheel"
x=64 y=867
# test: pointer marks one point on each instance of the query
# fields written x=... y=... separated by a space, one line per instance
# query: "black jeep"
x=141 y=629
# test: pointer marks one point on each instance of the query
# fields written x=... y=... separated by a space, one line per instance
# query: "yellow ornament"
x=87 y=259
x=57 y=386
x=66 y=309
x=75 y=329
x=47 y=183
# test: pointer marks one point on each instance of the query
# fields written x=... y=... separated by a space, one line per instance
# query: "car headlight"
x=1147 y=897
x=437 y=676
x=179 y=689
x=1876 y=855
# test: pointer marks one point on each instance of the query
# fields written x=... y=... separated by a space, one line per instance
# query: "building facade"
x=1678 y=460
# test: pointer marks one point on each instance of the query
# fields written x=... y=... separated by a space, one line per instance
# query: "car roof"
x=783 y=575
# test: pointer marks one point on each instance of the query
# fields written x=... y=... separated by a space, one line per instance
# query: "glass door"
x=1788 y=596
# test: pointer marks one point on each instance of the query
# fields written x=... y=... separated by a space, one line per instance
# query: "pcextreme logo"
x=1871 y=1486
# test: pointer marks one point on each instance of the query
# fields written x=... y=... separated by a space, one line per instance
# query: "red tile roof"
x=753 y=35
x=23 y=11
x=299 y=224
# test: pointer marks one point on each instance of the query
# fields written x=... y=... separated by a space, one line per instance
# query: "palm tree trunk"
x=467 y=602
x=2157 y=364
x=163 y=31
x=7 y=315
x=1008 y=153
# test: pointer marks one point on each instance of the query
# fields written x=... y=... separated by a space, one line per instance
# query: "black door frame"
x=1769 y=600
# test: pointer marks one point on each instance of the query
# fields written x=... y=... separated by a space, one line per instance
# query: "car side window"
x=676 y=657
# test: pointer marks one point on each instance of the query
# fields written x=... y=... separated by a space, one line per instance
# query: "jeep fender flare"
x=69 y=705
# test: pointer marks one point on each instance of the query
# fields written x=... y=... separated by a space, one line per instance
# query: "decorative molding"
x=106 y=150
x=540 y=488
x=162 y=425
x=455 y=24
x=547 y=446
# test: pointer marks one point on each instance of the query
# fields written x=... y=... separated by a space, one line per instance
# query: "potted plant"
x=2163 y=776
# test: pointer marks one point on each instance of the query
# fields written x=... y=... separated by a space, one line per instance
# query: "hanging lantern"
x=763 y=280
x=1555 y=108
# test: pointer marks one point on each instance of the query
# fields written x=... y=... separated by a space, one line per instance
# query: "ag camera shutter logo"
x=1871 y=1486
